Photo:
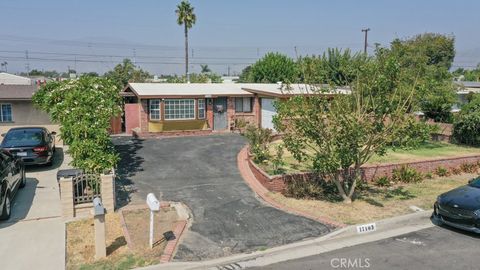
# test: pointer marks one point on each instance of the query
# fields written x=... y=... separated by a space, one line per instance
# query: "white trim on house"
x=167 y=113
x=11 y=113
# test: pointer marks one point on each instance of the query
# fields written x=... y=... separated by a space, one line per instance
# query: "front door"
x=220 y=113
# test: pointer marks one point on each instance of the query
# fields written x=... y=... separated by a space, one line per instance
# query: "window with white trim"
x=6 y=113
x=201 y=108
x=154 y=109
x=243 y=104
x=179 y=109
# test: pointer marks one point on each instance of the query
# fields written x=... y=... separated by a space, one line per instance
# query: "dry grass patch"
x=81 y=249
x=374 y=203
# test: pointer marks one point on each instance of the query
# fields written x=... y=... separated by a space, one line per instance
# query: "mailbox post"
x=99 y=224
x=154 y=206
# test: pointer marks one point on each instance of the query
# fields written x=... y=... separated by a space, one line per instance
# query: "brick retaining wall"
x=277 y=183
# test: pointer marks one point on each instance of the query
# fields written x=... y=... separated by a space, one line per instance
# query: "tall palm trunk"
x=187 y=76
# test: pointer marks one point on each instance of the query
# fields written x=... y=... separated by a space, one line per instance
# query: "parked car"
x=33 y=145
x=12 y=177
x=460 y=207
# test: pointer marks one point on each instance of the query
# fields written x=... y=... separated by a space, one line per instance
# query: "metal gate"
x=85 y=188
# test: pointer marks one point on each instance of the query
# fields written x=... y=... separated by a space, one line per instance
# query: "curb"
x=345 y=237
x=260 y=190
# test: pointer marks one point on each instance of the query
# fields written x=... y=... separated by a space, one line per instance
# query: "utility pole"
x=27 y=64
x=366 y=39
x=134 y=56
x=228 y=71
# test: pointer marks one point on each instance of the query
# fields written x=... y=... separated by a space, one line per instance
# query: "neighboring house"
x=464 y=88
x=164 y=107
x=10 y=79
x=16 y=109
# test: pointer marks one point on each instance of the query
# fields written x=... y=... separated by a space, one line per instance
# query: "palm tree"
x=187 y=18
x=205 y=69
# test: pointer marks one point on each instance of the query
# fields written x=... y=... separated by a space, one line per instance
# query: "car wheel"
x=6 y=208
x=24 y=179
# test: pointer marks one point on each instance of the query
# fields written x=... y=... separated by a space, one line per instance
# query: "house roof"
x=10 y=79
x=146 y=90
x=17 y=92
x=149 y=90
x=468 y=84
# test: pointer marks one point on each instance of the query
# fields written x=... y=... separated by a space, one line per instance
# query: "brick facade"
x=144 y=115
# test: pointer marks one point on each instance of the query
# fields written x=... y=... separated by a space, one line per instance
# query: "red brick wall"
x=277 y=183
x=210 y=113
x=132 y=116
x=144 y=115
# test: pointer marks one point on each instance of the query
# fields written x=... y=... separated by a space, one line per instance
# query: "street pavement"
x=34 y=236
x=432 y=248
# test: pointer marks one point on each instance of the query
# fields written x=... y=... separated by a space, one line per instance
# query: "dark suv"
x=33 y=145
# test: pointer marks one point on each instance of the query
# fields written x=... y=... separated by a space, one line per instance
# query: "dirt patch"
x=376 y=203
x=138 y=226
x=81 y=245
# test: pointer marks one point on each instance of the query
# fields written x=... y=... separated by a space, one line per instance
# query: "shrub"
x=83 y=108
x=277 y=160
x=406 y=174
x=383 y=182
x=456 y=171
x=466 y=126
x=428 y=175
x=311 y=189
x=259 y=138
x=469 y=167
x=415 y=133
x=441 y=171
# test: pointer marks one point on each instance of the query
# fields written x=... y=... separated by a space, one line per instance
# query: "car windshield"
x=475 y=182
x=16 y=138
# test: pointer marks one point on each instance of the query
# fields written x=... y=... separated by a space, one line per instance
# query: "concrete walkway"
x=34 y=236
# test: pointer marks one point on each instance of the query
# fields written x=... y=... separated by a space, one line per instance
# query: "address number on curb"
x=365 y=228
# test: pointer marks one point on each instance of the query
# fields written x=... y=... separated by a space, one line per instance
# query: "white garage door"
x=268 y=112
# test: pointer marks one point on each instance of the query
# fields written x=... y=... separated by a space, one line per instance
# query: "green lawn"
x=431 y=150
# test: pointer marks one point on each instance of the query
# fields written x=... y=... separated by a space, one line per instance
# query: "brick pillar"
x=257 y=109
x=210 y=113
x=108 y=191
x=66 y=197
x=144 y=115
x=230 y=111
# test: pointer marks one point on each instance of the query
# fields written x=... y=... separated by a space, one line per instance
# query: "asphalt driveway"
x=202 y=173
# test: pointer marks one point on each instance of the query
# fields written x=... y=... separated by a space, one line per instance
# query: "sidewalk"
x=34 y=236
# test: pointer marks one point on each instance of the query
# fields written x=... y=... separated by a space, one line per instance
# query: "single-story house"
x=464 y=88
x=11 y=79
x=17 y=110
x=164 y=107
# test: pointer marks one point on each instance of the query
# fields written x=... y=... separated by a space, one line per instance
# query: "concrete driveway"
x=34 y=236
x=202 y=172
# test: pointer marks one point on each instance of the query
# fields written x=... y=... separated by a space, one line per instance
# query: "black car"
x=12 y=177
x=33 y=145
x=460 y=207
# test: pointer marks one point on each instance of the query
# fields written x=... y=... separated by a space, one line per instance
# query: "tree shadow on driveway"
x=130 y=163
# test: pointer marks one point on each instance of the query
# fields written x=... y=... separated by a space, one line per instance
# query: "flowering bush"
x=83 y=108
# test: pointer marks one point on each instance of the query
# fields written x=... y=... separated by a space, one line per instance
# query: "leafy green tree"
x=429 y=48
x=187 y=18
x=467 y=75
x=333 y=67
x=272 y=68
x=427 y=58
x=196 y=78
x=338 y=136
x=84 y=108
x=126 y=72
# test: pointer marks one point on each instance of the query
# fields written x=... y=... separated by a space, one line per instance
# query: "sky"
x=90 y=35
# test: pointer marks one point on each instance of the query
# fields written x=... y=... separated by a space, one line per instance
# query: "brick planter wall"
x=278 y=183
